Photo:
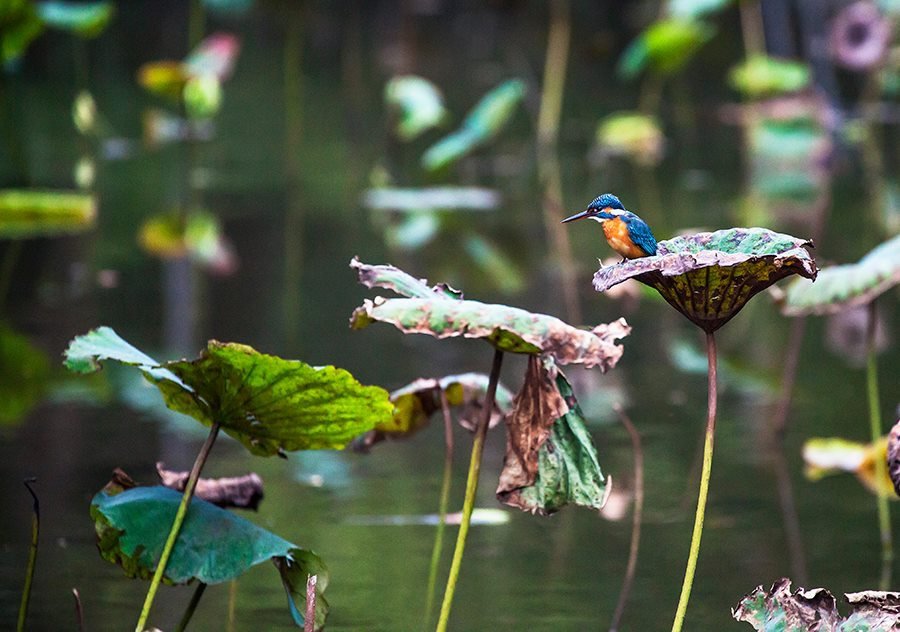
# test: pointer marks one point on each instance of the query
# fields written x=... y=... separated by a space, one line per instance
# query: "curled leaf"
x=267 y=403
x=664 y=47
x=849 y=285
x=34 y=213
x=825 y=456
x=395 y=279
x=242 y=492
x=761 y=75
x=85 y=19
x=632 y=134
x=213 y=546
x=506 y=328
x=417 y=103
x=815 y=610
x=550 y=459
x=709 y=277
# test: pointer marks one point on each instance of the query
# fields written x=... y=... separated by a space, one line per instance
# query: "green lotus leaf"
x=849 y=285
x=198 y=236
x=418 y=104
x=19 y=26
x=481 y=124
x=506 y=328
x=825 y=456
x=446 y=198
x=213 y=546
x=815 y=610
x=415 y=403
x=761 y=75
x=692 y=9
x=24 y=375
x=27 y=213
x=664 y=47
x=550 y=459
x=632 y=134
x=85 y=19
x=395 y=279
x=267 y=403
x=709 y=277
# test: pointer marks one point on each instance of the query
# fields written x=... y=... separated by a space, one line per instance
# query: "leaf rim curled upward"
x=710 y=276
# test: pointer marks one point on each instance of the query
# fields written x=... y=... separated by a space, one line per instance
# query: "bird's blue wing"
x=641 y=235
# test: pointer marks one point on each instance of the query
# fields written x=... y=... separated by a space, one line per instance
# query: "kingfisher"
x=626 y=233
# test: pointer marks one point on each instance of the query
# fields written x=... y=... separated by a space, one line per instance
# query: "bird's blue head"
x=599 y=208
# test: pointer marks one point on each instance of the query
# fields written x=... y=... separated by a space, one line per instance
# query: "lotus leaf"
x=27 y=213
x=418 y=104
x=760 y=75
x=267 y=403
x=19 y=26
x=692 y=9
x=431 y=198
x=849 y=285
x=481 y=124
x=550 y=459
x=664 y=47
x=395 y=279
x=709 y=277
x=213 y=545
x=814 y=610
x=85 y=19
x=827 y=456
x=24 y=372
x=506 y=328
x=632 y=134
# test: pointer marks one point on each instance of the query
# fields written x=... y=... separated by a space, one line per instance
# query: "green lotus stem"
x=752 y=28
x=442 y=507
x=884 y=514
x=471 y=488
x=32 y=556
x=636 y=516
x=232 y=605
x=180 y=515
x=704 y=487
x=189 y=611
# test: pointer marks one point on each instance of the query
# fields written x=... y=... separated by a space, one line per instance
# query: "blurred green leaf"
x=35 y=213
x=632 y=134
x=412 y=231
x=688 y=358
x=267 y=403
x=848 y=285
x=19 y=26
x=213 y=546
x=202 y=96
x=85 y=19
x=550 y=459
x=825 y=456
x=417 y=103
x=692 y=9
x=24 y=375
x=493 y=264
x=760 y=75
x=229 y=8
x=664 y=47
x=788 y=156
x=481 y=124
x=197 y=235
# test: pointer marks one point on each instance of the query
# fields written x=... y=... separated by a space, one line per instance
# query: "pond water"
x=286 y=176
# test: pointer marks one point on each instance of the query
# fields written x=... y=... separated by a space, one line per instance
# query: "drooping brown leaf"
x=242 y=492
x=392 y=278
x=893 y=456
x=535 y=409
x=815 y=610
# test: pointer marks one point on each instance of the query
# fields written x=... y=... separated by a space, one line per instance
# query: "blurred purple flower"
x=860 y=36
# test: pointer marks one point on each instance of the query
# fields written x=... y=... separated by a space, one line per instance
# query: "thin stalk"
x=884 y=514
x=442 y=508
x=79 y=611
x=309 y=623
x=471 y=488
x=7 y=267
x=32 y=555
x=549 y=116
x=196 y=23
x=232 y=605
x=189 y=611
x=636 y=515
x=779 y=420
x=704 y=487
x=752 y=28
x=180 y=515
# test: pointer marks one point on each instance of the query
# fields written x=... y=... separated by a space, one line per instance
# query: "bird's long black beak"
x=572 y=218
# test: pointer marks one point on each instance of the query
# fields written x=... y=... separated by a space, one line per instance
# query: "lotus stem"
x=442 y=507
x=32 y=555
x=884 y=514
x=79 y=611
x=309 y=622
x=471 y=489
x=189 y=611
x=752 y=28
x=180 y=515
x=779 y=420
x=636 y=516
x=232 y=605
x=704 y=486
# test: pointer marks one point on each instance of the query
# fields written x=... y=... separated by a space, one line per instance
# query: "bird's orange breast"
x=616 y=232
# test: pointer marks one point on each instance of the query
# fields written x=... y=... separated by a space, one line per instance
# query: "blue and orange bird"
x=626 y=233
